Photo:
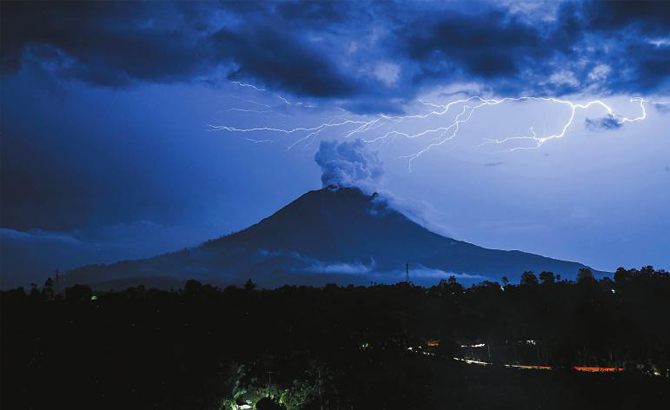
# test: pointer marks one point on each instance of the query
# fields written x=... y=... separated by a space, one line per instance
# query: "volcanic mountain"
x=331 y=235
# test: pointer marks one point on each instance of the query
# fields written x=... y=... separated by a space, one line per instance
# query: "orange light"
x=528 y=367
x=598 y=369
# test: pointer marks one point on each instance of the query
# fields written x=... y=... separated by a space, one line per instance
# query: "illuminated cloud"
x=349 y=164
x=388 y=73
x=347 y=268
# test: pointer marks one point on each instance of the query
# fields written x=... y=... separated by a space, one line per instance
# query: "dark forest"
x=543 y=343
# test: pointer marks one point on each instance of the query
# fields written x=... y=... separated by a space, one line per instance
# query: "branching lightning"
x=463 y=110
x=241 y=84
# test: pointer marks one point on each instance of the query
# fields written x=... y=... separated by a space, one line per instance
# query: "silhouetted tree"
x=528 y=278
x=450 y=286
x=585 y=275
x=34 y=292
x=48 y=289
x=192 y=287
x=249 y=285
x=547 y=278
x=621 y=276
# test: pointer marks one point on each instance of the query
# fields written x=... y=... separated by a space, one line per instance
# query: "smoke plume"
x=349 y=164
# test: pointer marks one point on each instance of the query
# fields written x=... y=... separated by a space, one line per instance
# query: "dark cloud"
x=331 y=49
x=119 y=43
x=654 y=65
x=282 y=62
x=511 y=54
x=640 y=63
x=104 y=43
x=484 y=46
x=605 y=123
x=506 y=52
x=649 y=16
x=314 y=13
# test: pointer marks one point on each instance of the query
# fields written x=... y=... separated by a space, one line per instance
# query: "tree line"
x=335 y=346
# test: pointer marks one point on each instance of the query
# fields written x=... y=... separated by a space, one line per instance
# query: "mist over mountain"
x=332 y=235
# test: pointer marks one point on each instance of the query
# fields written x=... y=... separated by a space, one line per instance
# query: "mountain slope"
x=329 y=235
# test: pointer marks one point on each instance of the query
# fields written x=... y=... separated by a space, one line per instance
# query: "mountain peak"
x=334 y=234
x=326 y=223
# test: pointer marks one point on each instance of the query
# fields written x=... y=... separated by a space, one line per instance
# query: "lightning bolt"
x=539 y=141
x=464 y=110
x=241 y=84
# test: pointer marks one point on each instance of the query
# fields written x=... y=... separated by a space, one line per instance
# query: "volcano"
x=331 y=235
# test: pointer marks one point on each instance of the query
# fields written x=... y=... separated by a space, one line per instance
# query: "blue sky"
x=114 y=116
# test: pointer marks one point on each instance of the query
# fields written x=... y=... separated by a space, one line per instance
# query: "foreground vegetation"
x=378 y=347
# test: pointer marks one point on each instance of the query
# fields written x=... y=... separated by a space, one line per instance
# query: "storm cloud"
x=119 y=44
x=339 y=50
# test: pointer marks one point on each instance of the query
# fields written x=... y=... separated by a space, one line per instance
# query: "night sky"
x=134 y=128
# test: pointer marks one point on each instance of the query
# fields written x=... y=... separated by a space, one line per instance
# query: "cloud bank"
x=368 y=56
